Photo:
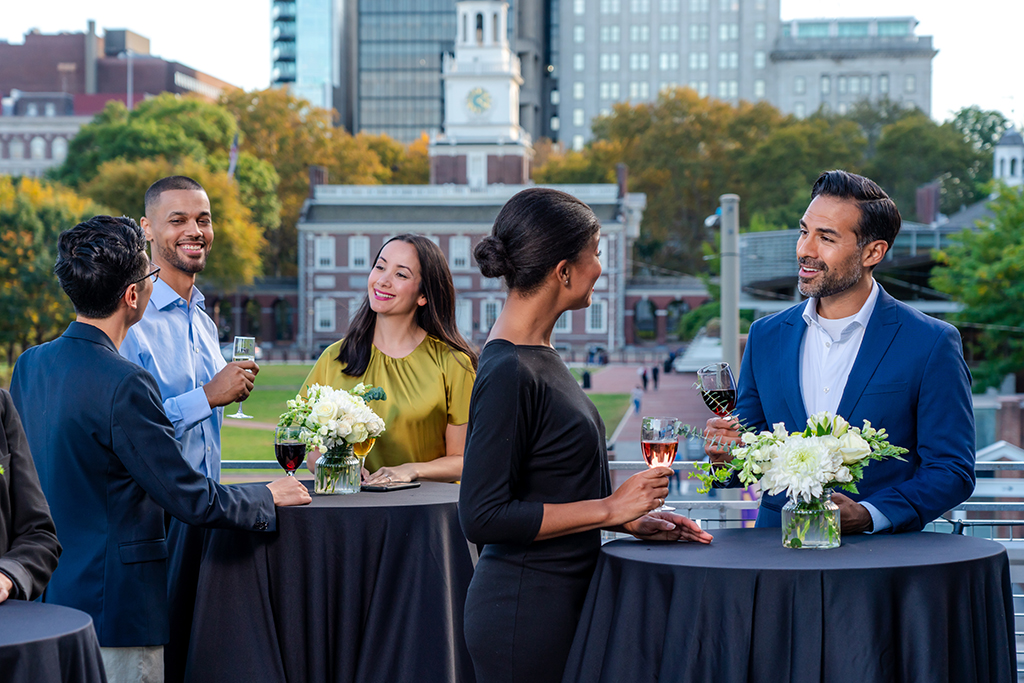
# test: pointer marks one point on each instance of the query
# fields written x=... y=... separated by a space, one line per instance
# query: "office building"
x=306 y=48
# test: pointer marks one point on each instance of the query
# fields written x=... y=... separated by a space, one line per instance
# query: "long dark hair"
x=437 y=316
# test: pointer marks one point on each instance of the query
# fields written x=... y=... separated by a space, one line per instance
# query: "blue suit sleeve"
x=945 y=442
x=496 y=444
x=144 y=441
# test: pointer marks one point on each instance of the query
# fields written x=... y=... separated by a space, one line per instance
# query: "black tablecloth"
x=353 y=588
x=41 y=643
x=923 y=607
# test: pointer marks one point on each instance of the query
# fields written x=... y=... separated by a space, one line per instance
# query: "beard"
x=831 y=282
x=185 y=265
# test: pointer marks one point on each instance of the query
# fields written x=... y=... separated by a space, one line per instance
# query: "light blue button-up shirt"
x=177 y=342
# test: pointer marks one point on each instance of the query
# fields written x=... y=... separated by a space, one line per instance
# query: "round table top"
x=427 y=493
x=762 y=549
x=28 y=622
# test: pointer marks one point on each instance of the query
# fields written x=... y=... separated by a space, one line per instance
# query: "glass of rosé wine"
x=659 y=441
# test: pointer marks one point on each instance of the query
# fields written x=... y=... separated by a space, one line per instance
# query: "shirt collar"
x=810 y=314
x=163 y=297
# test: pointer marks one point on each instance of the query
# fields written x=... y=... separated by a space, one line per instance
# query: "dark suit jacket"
x=909 y=377
x=28 y=542
x=110 y=466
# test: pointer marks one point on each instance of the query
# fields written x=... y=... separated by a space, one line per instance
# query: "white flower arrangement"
x=331 y=418
x=829 y=453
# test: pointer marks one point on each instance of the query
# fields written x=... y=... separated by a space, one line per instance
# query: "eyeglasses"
x=153 y=275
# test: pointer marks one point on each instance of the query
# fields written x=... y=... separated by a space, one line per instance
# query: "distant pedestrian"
x=641 y=372
x=637 y=395
x=654 y=376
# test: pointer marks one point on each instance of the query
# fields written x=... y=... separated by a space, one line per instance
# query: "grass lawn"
x=282 y=375
x=612 y=407
x=240 y=443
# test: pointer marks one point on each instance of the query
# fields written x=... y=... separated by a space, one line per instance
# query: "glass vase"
x=811 y=525
x=338 y=471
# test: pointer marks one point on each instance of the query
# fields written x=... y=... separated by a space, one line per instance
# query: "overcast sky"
x=979 y=60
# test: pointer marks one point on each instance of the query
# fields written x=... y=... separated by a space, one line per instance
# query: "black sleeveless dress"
x=534 y=438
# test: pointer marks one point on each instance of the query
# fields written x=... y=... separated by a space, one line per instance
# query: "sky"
x=978 y=41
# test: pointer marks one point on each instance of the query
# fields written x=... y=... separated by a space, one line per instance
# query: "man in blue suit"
x=107 y=458
x=854 y=350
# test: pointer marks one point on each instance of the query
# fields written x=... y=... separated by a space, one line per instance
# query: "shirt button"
x=828 y=345
x=826 y=390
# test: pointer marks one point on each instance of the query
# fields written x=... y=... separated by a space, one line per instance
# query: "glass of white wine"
x=245 y=349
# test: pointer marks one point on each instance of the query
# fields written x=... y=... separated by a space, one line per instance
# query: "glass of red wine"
x=659 y=441
x=289 y=448
x=718 y=388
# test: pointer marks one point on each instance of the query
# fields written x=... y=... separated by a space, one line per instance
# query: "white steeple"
x=481 y=106
x=1008 y=159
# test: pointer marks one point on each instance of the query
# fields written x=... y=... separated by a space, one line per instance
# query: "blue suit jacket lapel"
x=878 y=336
x=791 y=333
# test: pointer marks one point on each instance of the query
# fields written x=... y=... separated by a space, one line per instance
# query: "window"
x=800 y=110
x=669 y=5
x=799 y=85
x=464 y=317
x=698 y=61
x=729 y=5
x=699 y=31
x=610 y=62
x=667 y=85
x=609 y=34
x=640 y=33
x=893 y=28
x=577 y=91
x=728 y=32
x=323 y=314
x=597 y=317
x=16 y=149
x=699 y=5
x=854 y=85
x=883 y=83
x=359 y=252
x=32 y=109
x=668 y=60
x=609 y=90
x=841 y=108
x=577 y=62
x=489 y=310
x=37 y=148
x=812 y=30
x=578 y=34
x=669 y=32
x=728 y=60
x=760 y=31
x=640 y=90
x=323 y=252
x=700 y=87
x=826 y=85
x=564 y=323
x=640 y=6
x=59 y=149
x=639 y=61
x=458 y=252
x=556 y=97
x=728 y=89
x=865 y=85
x=841 y=85
x=577 y=145
x=579 y=6
x=853 y=29
x=578 y=117
x=760 y=59
x=759 y=89
x=50 y=109
x=353 y=308
x=556 y=123
x=910 y=84
x=609 y=6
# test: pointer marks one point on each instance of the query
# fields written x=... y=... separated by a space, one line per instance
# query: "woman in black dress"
x=535 y=489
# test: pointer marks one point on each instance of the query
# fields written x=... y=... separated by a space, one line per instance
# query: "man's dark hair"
x=879 y=217
x=171 y=182
x=97 y=260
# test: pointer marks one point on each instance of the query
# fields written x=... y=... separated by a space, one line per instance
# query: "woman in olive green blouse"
x=405 y=340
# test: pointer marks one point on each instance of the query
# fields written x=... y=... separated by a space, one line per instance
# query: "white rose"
x=839 y=426
x=748 y=438
x=853 y=448
x=325 y=411
x=344 y=427
x=359 y=433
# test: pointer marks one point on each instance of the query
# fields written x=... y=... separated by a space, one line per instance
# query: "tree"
x=980 y=128
x=401 y=164
x=984 y=270
x=33 y=308
x=238 y=240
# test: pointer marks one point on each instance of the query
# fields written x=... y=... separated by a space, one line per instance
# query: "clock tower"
x=483 y=143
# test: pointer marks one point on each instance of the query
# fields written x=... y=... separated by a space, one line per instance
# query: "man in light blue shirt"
x=177 y=342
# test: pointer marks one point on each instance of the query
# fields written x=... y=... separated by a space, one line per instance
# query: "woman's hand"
x=667 y=526
x=392 y=475
x=311 y=457
x=638 y=495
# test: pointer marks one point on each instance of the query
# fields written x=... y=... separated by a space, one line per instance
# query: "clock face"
x=478 y=100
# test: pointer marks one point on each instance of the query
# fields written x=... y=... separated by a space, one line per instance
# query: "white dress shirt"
x=827 y=354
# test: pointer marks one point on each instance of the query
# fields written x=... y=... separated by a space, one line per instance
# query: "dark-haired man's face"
x=180 y=229
x=830 y=261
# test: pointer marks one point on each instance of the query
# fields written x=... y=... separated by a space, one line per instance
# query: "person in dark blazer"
x=28 y=542
x=854 y=350
x=105 y=451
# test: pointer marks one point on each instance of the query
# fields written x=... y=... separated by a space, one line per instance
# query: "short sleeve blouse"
x=426 y=391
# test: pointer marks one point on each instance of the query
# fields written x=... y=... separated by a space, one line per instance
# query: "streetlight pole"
x=131 y=79
x=730 y=313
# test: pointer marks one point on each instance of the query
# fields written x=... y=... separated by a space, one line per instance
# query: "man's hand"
x=6 y=587
x=667 y=526
x=854 y=518
x=232 y=384
x=721 y=433
x=289 y=491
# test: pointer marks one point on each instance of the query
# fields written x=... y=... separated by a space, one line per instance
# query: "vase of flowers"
x=337 y=422
x=806 y=466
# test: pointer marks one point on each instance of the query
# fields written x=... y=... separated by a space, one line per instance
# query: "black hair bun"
x=492 y=258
